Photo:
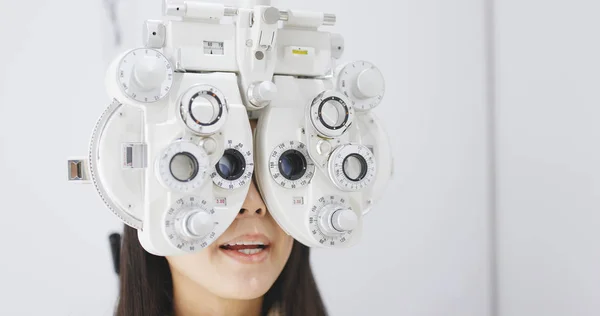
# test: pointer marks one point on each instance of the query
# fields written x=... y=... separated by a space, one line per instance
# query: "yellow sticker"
x=300 y=52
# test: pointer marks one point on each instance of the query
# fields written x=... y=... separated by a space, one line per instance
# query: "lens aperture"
x=355 y=167
x=232 y=165
x=184 y=167
x=292 y=165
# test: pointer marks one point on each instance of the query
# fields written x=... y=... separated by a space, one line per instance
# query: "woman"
x=269 y=275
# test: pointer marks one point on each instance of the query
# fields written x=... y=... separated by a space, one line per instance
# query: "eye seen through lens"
x=184 y=167
x=355 y=167
x=292 y=165
x=231 y=166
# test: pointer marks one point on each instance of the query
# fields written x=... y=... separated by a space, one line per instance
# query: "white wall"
x=426 y=249
x=548 y=120
x=425 y=252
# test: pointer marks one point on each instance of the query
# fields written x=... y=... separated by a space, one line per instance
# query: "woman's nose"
x=254 y=204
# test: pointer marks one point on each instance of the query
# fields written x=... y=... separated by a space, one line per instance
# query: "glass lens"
x=184 y=167
x=292 y=165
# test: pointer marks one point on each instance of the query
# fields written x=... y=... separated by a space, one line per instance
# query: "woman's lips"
x=256 y=255
x=252 y=248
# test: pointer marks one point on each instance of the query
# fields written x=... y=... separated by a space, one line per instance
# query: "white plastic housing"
x=286 y=120
x=157 y=125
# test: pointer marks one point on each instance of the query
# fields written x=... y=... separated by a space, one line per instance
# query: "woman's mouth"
x=246 y=251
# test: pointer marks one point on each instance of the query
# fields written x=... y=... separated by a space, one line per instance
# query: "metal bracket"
x=77 y=170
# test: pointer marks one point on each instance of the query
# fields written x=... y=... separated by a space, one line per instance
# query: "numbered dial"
x=182 y=166
x=189 y=224
x=363 y=84
x=203 y=109
x=352 y=167
x=331 y=114
x=332 y=221
x=145 y=75
x=290 y=165
x=235 y=168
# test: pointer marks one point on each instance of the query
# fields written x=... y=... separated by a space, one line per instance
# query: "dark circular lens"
x=184 y=167
x=232 y=165
x=292 y=165
x=355 y=167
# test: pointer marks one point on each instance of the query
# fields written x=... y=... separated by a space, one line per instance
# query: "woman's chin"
x=246 y=287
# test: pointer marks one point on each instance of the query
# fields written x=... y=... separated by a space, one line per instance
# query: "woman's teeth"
x=250 y=251
x=246 y=243
x=246 y=247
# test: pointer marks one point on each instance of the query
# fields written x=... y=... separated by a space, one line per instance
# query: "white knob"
x=335 y=220
x=149 y=73
x=210 y=145
x=369 y=83
x=323 y=147
x=344 y=220
x=199 y=224
x=262 y=93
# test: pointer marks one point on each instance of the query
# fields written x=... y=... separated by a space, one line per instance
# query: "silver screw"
x=249 y=43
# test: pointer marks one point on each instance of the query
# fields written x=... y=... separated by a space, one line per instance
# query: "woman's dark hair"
x=146 y=288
